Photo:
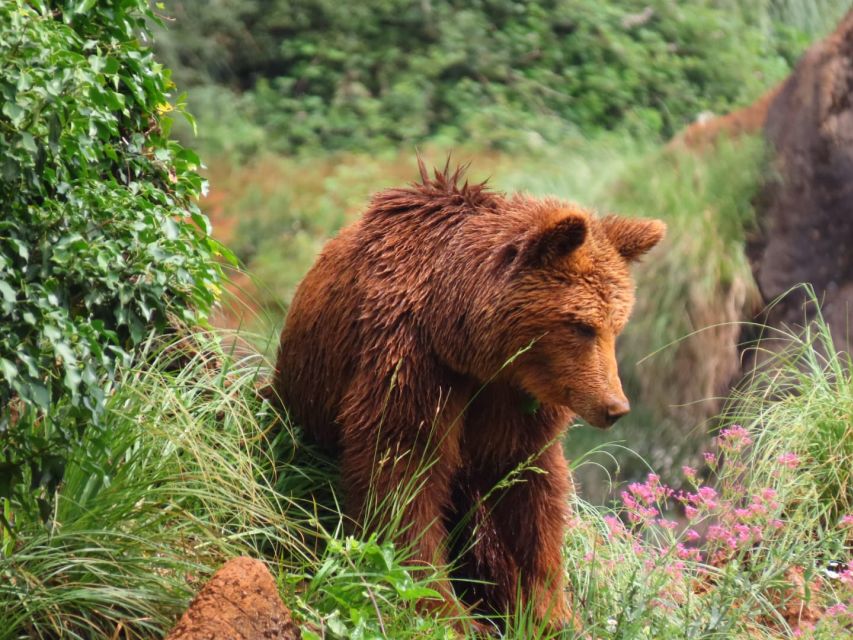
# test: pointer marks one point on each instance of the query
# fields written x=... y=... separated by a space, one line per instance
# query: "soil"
x=746 y=121
x=240 y=602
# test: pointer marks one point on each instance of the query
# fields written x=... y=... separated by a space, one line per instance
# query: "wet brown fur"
x=400 y=348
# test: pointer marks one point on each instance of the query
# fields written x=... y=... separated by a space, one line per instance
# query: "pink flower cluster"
x=789 y=460
x=643 y=498
x=699 y=503
x=734 y=521
x=734 y=439
x=737 y=536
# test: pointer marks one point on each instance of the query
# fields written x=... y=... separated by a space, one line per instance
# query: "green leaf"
x=202 y=222
x=14 y=112
x=10 y=371
x=336 y=624
x=84 y=7
x=191 y=120
x=39 y=394
x=7 y=292
x=64 y=351
x=28 y=142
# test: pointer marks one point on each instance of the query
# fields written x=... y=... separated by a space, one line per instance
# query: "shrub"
x=321 y=74
x=100 y=239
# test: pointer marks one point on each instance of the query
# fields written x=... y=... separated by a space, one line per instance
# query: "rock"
x=240 y=602
x=806 y=215
x=709 y=128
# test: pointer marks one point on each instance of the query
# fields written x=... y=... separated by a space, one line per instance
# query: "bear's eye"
x=583 y=329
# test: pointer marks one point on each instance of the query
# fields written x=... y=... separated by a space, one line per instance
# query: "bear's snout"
x=615 y=409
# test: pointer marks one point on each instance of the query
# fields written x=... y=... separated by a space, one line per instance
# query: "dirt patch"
x=806 y=215
x=240 y=602
x=746 y=121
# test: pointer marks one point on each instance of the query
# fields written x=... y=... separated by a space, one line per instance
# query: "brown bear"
x=442 y=340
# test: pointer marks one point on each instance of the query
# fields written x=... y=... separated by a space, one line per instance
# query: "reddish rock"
x=240 y=602
x=748 y=120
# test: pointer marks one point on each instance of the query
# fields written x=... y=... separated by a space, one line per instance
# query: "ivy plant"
x=101 y=240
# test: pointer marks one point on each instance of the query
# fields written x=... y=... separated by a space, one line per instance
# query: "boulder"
x=806 y=211
x=240 y=602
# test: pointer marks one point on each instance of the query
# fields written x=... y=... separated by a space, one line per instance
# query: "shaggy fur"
x=461 y=328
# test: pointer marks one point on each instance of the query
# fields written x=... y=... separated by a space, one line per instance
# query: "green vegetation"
x=138 y=454
x=101 y=238
x=305 y=76
x=197 y=468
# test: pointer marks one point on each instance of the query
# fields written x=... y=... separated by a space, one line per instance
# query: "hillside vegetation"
x=321 y=75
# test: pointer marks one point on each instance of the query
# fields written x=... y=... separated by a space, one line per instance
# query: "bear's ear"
x=557 y=240
x=632 y=237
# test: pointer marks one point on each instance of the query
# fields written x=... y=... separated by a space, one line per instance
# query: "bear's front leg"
x=530 y=518
x=399 y=452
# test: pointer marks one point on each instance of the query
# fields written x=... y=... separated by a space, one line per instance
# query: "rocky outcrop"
x=805 y=209
x=806 y=213
x=240 y=602
x=708 y=129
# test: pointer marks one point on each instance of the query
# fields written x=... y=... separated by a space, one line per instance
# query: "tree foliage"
x=321 y=73
x=100 y=238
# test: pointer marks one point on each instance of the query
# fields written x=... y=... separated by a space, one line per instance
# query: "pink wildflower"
x=734 y=439
x=803 y=628
x=707 y=497
x=847 y=521
x=641 y=496
x=757 y=508
x=675 y=570
x=687 y=553
x=710 y=459
x=768 y=495
x=837 y=610
x=689 y=473
x=692 y=534
x=615 y=525
x=667 y=524
x=790 y=460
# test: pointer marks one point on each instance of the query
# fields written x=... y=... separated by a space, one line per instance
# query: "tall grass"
x=803 y=415
x=193 y=467
x=744 y=552
x=179 y=478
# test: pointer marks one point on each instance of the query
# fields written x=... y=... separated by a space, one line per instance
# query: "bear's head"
x=567 y=294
